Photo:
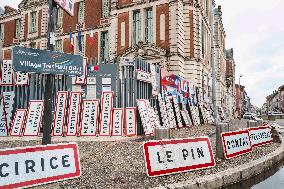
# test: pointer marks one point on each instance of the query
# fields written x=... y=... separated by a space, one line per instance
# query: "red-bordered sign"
x=22 y=78
x=64 y=159
x=117 y=122
x=3 y=121
x=73 y=113
x=177 y=155
x=60 y=113
x=7 y=73
x=34 y=118
x=260 y=135
x=106 y=113
x=82 y=79
x=90 y=115
x=18 y=122
x=236 y=143
x=130 y=121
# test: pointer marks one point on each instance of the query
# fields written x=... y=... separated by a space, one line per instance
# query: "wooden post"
x=220 y=127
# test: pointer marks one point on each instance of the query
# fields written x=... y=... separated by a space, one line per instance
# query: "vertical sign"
x=117 y=123
x=106 y=114
x=163 y=111
x=177 y=110
x=8 y=105
x=18 y=122
x=130 y=121
x=170 y=112
x=73 y=113
x=60 y=113
x=22 y=78
x=3 y=119
x=185 y=118
x=155 y=87
x=82 y=79
x=145 y=116
x=155 y=122
x=90 y=114
x=34 y=118
x=7 y=73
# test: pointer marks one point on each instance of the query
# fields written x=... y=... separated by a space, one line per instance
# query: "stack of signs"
x=203 y=112
x=117 y=123
x=3 y=120
x=155 y=87
x=195 y=118
x=130 y=121
x=73 y=113
x=260 y=135
x=7 y=73
x=177 y=111
x=153 y=115
x=106 y=114
x=186 y=116
x=60 y=112
x=170 y=112
x=163 y=111
x=145 y=117
x=236 y=143
x=8 y=98
x=34 y=118
x=89 y=122
x=22 y=78
x=210 y=117
x=18 y=122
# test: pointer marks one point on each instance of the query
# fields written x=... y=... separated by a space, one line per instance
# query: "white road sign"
x=30 y=166
x=260 y=135
x=18 y=122
x=34 y=118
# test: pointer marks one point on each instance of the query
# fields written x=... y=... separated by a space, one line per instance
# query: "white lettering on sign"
x=89 y=123
x=18 y=122
x=22 y=78
x=178 y=155
x=260 y=135
x=7 y=73
x=117 y=123
x=8 y=105
x=106 y=114
x=34 y=118
x=83 y=78
x=236 y=143
x=60 y=113
x=73 y=113
x=30 y=166
x=130 y=121
x=155 y=87
x=3 y=119
x=143 y=76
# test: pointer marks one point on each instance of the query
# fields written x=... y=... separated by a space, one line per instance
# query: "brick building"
x=172 y=33
x=275 y=101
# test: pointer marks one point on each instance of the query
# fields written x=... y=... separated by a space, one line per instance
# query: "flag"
x=79 y=40
x=91 y=40
x=71 y=42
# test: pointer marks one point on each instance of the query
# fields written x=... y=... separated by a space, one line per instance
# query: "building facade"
x=176 y=34
x=275 y=101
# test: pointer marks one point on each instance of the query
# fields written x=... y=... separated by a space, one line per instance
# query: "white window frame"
x=58 y=45
x=122 y=34
x=59 y=23
x=104 y=52
x=33 y=22
x=105 y=8
x=136 y=28
x=162 y=27
x=148 y=25
x=1 y=31
x=81 y=12
x=18 y=28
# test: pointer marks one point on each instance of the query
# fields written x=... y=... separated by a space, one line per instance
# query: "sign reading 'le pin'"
x=29 y=166
x=178 y=155
x=236 y=143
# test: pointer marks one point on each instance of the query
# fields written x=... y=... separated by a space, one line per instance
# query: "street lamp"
x=240 y=95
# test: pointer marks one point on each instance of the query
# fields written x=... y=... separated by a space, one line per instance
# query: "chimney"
x=8 y=9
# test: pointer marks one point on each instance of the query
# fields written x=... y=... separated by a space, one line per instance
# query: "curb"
x=232 y=175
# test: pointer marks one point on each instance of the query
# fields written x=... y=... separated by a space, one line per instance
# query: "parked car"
x=275 y=113
x=249 y=115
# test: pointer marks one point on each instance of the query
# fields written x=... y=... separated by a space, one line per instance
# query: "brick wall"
x=93 y=13
x=162 y=9
x=39 y=22
x=9 y=30
x=124 y=2
x=70 y=20
x=92 y=49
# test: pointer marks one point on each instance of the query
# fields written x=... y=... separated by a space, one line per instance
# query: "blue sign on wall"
x=46 y=62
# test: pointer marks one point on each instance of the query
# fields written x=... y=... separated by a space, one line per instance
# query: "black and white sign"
x=177 y=111
x=34 y=118
x=117 y=124
x=170 y=112
x=163 y=111
x=89 y=123
x=22 y=78
x=184 y=117
x=143 y=76
x=236 y=143
x=73 y=115
x=3 y=119
x=178 y=155
x=260 y=135
x=60 y=113
x=83 y=78
x=8 y=105
x=106 y=114
x=7 y=73
x=145 y=116
x=18 y=122
x=130 y=121
x=37 y=165
x=155 y=87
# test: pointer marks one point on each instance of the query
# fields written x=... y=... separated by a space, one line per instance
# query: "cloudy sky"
x=255 y=30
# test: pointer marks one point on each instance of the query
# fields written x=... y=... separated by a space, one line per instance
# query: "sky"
x=255 y=29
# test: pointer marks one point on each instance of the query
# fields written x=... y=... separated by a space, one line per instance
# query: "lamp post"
x=240 y=94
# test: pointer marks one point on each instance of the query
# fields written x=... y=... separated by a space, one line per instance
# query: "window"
x=33 y=45
x=58 y=45
x=59 y=18
x=105 y=8
x=104 y=46
x=81 y=12
x=1 y=31
x=202 y=38
x=122 y=34
x=136 y=27
x=162 y=27
x=149 y=25
x=18 y=28
x=33 y=22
